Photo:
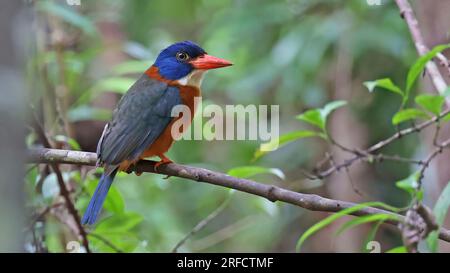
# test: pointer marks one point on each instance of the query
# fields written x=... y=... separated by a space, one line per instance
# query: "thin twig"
x=436 y=134
x=106 y=242
x=396 y=158
x=62 y=187
x=407 y=131
x=438 y=150
x=224 y=233
x=369 y=153
x=41 y=215
x=202 y=223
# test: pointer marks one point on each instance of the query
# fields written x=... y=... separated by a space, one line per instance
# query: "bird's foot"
x=164 y=160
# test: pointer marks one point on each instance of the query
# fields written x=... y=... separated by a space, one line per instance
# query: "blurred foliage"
x=285 y=52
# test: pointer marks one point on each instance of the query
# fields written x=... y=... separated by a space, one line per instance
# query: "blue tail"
x=97 y=200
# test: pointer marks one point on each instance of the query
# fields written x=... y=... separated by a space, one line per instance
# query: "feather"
x=97 y=200
x=141 y=116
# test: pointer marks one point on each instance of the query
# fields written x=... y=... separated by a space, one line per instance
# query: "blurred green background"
x=298 y=54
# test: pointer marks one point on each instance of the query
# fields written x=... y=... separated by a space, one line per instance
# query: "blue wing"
x=141 y=116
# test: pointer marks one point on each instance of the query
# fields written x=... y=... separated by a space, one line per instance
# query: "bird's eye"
x=182 y=56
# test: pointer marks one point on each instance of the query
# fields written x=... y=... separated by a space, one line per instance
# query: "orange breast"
x=163 y=143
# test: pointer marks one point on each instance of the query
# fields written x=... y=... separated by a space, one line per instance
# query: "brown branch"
x=438 y=150
x=273 y=193
x=371 y=151
x=407 y=131
x=444 y=62
x=419 y=42
x=64 y=192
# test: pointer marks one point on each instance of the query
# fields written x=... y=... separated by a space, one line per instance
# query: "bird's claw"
x=162 y=162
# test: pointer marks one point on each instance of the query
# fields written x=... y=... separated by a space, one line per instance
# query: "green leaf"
x=408 y=114
x=432 y=241
x=371 y=236
x=366 y=219
x=249 y=171
x=52 y=236
x=431 y=103
x=114 y=201
x=399 y=249
x=72 y=142
x=313 y=117
x=318 y=117
x=67 y=14
x=440 y=211
x=420 y=64
x=330 y=107
x=119 y=222
x=276 y=143
x=124 y=241
x=446 y=117
x=386 y=84
x=266 y=206
x=330 y=219
x=411 y=185
x=115 y=84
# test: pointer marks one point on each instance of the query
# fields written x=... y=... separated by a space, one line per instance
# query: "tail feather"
x=97 y=200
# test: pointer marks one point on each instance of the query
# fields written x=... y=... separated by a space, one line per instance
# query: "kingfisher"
x=141 y=124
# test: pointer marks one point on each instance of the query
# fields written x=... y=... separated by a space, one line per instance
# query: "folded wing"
x=141 y=116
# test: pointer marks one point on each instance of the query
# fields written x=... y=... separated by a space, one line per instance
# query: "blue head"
x=180 y=59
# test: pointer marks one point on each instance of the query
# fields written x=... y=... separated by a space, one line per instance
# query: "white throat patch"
x=194 y=78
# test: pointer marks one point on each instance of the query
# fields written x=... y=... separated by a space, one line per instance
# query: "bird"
x=141 y=123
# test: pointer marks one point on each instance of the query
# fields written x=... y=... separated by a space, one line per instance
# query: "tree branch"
x=64 y=192
x=370 y=153
x=273 y=193
x=408 y=14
